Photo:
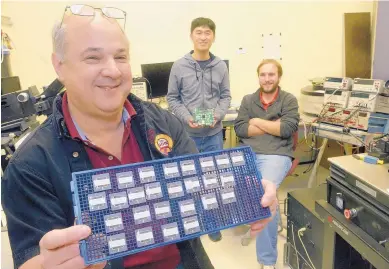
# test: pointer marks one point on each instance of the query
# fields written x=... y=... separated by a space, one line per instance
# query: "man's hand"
x=215 y=120
x=269 y=127
x=258 y=121
x=269 y=199
x=193 y=124
x=254 y=131
x=60 y=249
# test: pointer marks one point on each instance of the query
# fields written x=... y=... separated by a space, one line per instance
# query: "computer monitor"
x=228 y=65
x=158 y=76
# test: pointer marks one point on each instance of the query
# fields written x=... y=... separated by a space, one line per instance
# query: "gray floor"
x=228 y=253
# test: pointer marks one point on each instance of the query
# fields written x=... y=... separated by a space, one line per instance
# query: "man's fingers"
x=75 y=263
x=258 y=227
x=270 y=193
x=78 y=263
x=273 y=207
x=97 y=266
x=58 y=238
x=193 y=124
x=61 y=255
x=269 y=199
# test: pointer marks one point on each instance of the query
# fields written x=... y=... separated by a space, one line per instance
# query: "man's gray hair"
x=58 y=38
x=59 y=42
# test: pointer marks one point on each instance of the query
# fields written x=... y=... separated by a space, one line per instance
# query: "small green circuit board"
x=204 y=117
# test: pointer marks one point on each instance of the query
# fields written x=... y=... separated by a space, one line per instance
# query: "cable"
x=294 y=243
x=374 y=97
x=352 y=114
x=300 y=233
x=383 y=241
x=357 y=138
x=333 y=94
x=327 y=103
x=151 y=91
x=381 y=136
x=316 y=149
x=342 y=145
x=305 y=129
x=307 y=133
x=311 y=165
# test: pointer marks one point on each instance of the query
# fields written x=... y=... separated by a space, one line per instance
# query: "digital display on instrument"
x=360 y=95
x=364 y=81
x=334 y=80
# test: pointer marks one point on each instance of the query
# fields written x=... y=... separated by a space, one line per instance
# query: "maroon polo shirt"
x=266 y=105
x=163 y=257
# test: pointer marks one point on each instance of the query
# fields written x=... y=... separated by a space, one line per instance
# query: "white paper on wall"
x=272 y=46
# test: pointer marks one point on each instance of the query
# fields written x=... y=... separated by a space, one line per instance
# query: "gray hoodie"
x=191 y=87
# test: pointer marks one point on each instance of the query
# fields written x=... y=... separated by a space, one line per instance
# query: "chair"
x=247 y=238
x=295 y=161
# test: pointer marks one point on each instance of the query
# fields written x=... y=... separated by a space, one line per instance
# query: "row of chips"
x=147 y=174
x=162 y=210
x=138 y=195
x=146 y=236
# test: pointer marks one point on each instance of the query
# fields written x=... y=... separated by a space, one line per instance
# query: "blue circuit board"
x=136 y=207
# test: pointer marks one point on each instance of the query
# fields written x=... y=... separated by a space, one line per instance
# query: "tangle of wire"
x=345 y=123
x=319 y=119
x=313 y=150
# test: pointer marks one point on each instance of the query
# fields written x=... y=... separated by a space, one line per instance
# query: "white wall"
x=381 y=58
x=312 y=36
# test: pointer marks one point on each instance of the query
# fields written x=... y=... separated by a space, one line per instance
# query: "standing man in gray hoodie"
x=200 y=80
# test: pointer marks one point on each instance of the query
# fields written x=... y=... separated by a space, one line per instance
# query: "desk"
x=368 y=186
x=375 y=177
x=231 y=139
x=326 y=132
x=228 y=123
x=362 y=243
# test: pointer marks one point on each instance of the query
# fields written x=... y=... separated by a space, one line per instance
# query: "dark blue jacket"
x=35 y=191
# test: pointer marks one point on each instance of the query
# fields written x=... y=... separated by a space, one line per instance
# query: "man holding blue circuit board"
x=96 y=123
x=199 y=91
